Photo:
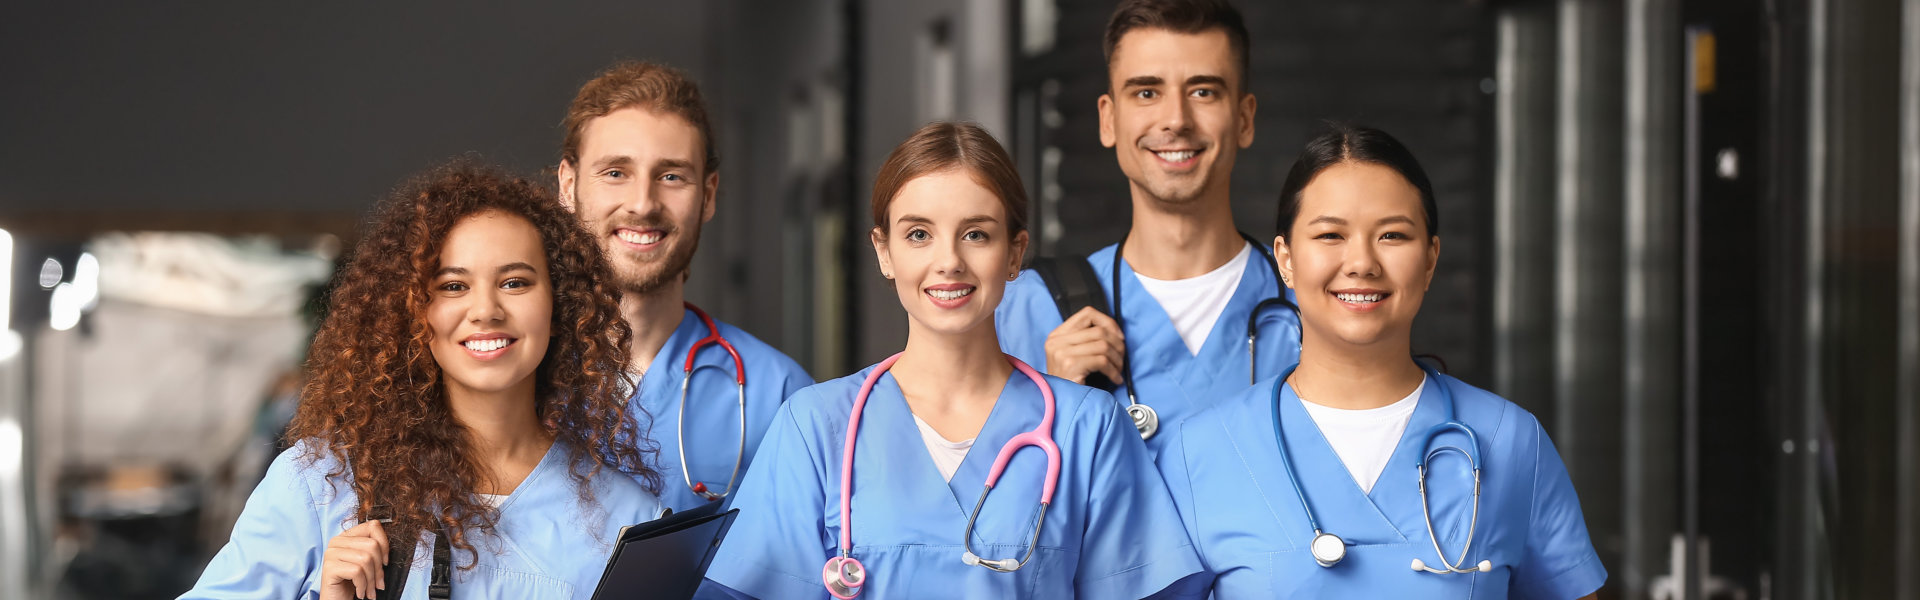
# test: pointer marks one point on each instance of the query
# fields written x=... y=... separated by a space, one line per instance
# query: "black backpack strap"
x=400 y=562
x=440 y=578
x=1073 y=284
x=399 y=554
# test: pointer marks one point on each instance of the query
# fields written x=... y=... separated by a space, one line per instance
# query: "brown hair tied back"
x=942 y=146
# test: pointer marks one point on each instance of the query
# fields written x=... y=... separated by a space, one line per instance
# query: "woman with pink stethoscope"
x=868 y=485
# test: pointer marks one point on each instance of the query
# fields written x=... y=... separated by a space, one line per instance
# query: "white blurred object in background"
x=206 y=274
x=157 y=360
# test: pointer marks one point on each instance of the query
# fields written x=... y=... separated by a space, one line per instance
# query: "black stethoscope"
x=1328 y=549
x=1144 y=418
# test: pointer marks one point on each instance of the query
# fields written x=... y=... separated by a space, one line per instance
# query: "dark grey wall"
x=247 y=106
x=1414 y=68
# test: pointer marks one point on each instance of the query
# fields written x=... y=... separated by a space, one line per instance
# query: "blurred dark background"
x=1685 y=234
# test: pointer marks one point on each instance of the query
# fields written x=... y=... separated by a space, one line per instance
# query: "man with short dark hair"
x=1182 y=282
x=639 y=167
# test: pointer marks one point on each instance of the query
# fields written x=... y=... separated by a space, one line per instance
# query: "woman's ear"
x=1433 y=260
x=1019 y=254
x=879 y=239
x=1283 y=260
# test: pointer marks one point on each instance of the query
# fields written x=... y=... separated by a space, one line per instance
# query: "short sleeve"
x=1135 y=545
x=793 y=377
x=778 y=543
x=275 y=548
x=1024 y=319
x=1560 y=562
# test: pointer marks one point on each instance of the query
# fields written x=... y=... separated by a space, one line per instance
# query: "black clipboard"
x=665 y=557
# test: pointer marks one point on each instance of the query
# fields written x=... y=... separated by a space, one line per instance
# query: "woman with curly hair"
x=468 y=396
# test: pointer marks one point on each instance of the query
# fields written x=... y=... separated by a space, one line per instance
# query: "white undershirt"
x=946 y=455
x=1195 y=303
x=1365 y=439
x=492 y=500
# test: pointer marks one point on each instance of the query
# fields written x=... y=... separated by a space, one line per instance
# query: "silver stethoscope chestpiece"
x=1327 y=549
x=1144 y=419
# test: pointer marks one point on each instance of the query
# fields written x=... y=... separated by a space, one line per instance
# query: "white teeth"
x=637 y=238
x=950 y=294
x=1176 y=156
x=1359 y=298
x=486 y=345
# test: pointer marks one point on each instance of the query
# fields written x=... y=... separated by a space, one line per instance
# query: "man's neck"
x=653 y=318
x=1181 y=244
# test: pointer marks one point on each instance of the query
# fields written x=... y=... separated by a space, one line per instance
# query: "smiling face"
x=491 y=312
x=1359 y=256
x=948 y=248
x=640 y=186
x=1177 y=113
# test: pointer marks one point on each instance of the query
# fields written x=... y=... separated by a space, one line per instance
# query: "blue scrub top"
x=713 y=413
x=1223 y=466
x=1169 y=377
x=546 y=544
x=1111 y=531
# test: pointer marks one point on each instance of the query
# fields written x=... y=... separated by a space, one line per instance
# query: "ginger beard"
x=650 y=252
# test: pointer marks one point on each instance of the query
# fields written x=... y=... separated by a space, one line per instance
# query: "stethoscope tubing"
x=1451 y=423
x=1145 y=419
x=686 y=382
x=1040 y=436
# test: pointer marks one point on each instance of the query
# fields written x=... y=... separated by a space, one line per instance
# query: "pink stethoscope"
x=845 y=576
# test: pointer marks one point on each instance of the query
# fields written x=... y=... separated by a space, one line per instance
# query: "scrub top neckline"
x=539 y=469
x=1152 y=338
x=1380 y=518
x=926 y=469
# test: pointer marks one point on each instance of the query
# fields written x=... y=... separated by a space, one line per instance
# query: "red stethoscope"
x=845 y=576
x=680 y=428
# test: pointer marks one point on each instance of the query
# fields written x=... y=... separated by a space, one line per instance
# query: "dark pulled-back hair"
x=376 y=402
x=1344 y=142
x=1181 y=16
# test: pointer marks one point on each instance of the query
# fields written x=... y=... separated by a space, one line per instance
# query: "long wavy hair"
x=375 y=400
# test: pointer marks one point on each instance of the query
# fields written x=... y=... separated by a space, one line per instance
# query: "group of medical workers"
x=507 y=375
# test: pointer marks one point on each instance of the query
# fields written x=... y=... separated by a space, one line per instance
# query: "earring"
x=886 y=275
x=1015 y=275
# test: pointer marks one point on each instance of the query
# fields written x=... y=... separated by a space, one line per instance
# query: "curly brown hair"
x=375 y=402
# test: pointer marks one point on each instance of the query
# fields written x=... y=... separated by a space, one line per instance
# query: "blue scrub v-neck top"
x=713 y=406
x=1166 y=375
x=1224 y=469
x=546 y=543
x=1111 y=531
